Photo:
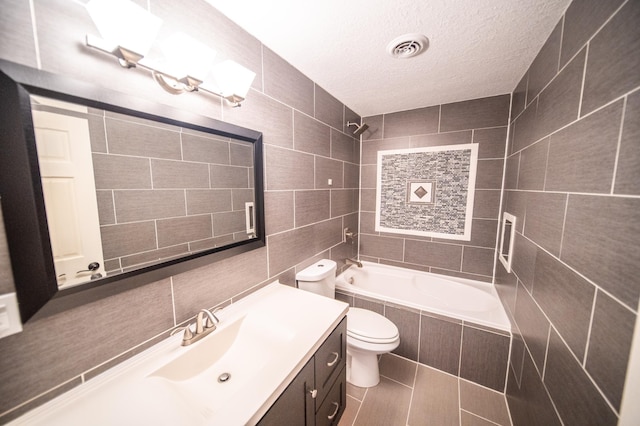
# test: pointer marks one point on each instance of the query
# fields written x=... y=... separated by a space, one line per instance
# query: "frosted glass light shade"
x=123 y=23
x=232 y=78
x=186 y=56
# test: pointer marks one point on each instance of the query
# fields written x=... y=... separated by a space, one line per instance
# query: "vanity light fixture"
x=128 y=31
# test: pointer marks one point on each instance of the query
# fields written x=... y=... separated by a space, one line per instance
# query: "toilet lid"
x=370 y=326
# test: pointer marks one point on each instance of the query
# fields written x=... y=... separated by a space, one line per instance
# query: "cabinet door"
x=334 y=404
x=296 y=404
x=330 y=359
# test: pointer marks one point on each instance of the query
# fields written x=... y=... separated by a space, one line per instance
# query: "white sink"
x=261 y=343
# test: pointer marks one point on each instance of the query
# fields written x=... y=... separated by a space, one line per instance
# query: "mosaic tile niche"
x=427 y=191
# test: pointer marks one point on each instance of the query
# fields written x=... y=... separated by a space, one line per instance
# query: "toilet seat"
x=371 y=327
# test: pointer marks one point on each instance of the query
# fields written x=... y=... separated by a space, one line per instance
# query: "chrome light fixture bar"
x=188 y=64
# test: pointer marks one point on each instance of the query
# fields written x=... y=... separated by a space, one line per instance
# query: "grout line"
x=584 y=78
x=617 y=159
x=478 y=416
x=34 y=28
x=593 y=314
x=546 y=353
x=173 y=301
x=564 y=223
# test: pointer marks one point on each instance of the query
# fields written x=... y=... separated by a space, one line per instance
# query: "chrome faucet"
x=350 y=261
x=205 y=323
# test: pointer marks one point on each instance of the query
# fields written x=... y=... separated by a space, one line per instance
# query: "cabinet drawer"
x=334 y=404
x=330 y=359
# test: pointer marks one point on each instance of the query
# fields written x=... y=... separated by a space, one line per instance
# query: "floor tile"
x=468 y=419
x=350 y=412
x=484 y=402
x=435 y=399
x=399 y=369
x=385 y=405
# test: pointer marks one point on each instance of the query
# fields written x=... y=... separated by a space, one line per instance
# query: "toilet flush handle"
x=337 y=357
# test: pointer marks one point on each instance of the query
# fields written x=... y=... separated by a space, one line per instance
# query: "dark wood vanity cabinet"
x=318 y=394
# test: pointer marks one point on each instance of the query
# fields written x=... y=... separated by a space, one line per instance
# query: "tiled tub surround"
x=305 y=145
x=479 y=121
x=461 y=348
x=572 y=180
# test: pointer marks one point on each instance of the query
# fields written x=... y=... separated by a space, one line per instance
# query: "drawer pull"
x=314 y=393
x=335 y=412
x=337 y=357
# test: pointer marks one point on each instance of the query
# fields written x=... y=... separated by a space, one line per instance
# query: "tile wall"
x=572 y=175
x=482 y=121
x=305 y=145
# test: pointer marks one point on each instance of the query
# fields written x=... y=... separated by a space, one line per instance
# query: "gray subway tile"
x=201 y=201
x=545 y=66
x=484 y=358
x=328 y=109
x=484 y=403
x=127 y=138
x=292 y=247
x=279 y=211
x=398 y=368
x=533 y=165
x=375 y=130
x=609 y=346
x=229 y=223
x=574 y=395
x=326 y=169
x=519 y=100
x=228 y=176
x=121 y=172
x=558 y=103
x=137 y=205
x=369 y=304
x=555 y=288
x=182 y=230
x=106 y=211
x=628 y=168
x=516 y=204
x=597 y=231
x=489 y=174
x=478 y=260
x=370 y=148
x=576 y=166
x=97 y=133
x=512 y=169
x=287 y=84
x=289 y=169
x=486 y=204
x=408 y=324
x=240 y=153
x=311 y=207
x=581 y=20
x=545 y=219
x=529 y=402
x=344 y=147
x=351 y=176
x=524 y=127
x=310 y=135
x=477 y=113
x=154 y=255
x=492 y=142
x=446 y=256
x=439 y=139
x=179 y=174
x=368 y=200
x=440 y=344
x=435 y=399
x=343 y=201
x=204 y=149
x=368 y=176
x=240 y=196
x=417 y=121
x=524 y=259
x=349 y=115
x=16 y=34
x=614 y=54
x=122 y=240
x=385 y=247
x=533 y=325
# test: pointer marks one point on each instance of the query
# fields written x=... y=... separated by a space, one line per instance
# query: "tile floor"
x=414 y=394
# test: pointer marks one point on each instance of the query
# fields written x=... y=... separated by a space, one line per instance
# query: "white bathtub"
x=467 y=300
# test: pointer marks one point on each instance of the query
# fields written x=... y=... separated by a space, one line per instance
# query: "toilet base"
x=362 y=369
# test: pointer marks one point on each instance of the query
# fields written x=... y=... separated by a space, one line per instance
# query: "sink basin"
x=229 y=377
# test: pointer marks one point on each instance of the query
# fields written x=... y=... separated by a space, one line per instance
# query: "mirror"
x=101 y=191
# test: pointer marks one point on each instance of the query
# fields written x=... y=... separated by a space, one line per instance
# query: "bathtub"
x=463 y=299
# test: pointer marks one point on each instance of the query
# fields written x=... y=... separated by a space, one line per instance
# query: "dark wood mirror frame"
x=23 y=202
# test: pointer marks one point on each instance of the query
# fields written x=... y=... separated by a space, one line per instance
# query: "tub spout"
x=350 y=261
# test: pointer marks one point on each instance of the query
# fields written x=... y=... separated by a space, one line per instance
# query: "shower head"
x=360 y=128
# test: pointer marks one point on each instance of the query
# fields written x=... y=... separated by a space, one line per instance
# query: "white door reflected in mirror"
x=66 y=167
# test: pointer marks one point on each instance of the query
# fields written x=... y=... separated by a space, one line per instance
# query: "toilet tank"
x=319 y=278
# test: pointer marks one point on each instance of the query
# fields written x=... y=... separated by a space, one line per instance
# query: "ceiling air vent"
x=408 y=46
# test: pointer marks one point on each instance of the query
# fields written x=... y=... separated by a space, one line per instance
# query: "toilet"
x=369 y=334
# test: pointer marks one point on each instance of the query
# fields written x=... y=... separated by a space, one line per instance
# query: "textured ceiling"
x=477 y=48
